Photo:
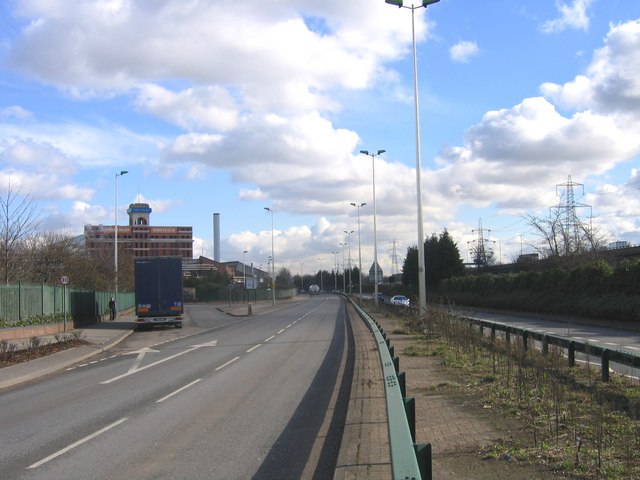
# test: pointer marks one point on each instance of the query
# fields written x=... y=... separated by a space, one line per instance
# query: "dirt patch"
x=467 y=436
x=9 y=356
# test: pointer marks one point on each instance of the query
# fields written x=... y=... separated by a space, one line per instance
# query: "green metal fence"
x=22 y=301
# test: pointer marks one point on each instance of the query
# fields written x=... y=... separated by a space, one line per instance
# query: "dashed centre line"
x=227 y=363
x=166 y=397
x=76 y=444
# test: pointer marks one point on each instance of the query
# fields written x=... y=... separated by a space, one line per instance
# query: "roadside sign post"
x=64 y=280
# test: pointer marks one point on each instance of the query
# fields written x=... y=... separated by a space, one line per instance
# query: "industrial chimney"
x=216 y=237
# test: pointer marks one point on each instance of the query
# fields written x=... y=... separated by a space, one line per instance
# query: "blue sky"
x=230 y=107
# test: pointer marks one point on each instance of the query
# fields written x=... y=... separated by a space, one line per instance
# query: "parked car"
x=399 y=300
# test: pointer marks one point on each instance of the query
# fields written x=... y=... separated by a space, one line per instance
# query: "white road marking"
x=254 y=347
x=227 y=364
x=141 y=353
x=270 y=338
x=280 y=331
x=178 y=391
x=106 y=382
x=78 y=443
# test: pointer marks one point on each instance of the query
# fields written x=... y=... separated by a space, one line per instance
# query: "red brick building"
x=140 y=238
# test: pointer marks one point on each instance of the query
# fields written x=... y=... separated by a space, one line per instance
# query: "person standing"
x=112 y=309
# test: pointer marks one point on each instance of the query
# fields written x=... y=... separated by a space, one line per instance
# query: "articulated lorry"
x=159 y=291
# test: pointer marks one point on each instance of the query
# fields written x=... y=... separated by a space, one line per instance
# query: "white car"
x=399 y=300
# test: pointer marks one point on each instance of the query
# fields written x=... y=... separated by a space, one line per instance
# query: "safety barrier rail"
x=606 y=355
x=408 y=459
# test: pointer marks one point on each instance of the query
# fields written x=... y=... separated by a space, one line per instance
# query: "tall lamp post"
x=335 y=277
x=301 y=277
x=344 y=269
x=115 y=243
x=358 y=205
x=349 y=245
x=244 y=275
x=422 y=281
x=375 y=227
x=273 y=262
x=321 y=260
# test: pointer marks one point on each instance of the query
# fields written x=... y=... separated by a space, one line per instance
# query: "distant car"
x=380 y=297
x=399 y=300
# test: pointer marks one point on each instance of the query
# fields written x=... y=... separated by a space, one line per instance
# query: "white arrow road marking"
x=130 y=372
x=141 y=353
x=78 y=443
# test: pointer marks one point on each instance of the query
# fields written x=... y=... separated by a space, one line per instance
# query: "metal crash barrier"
x=606 y=355
x=408 y=459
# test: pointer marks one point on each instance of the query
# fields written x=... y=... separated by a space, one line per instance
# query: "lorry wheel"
x=178 y=325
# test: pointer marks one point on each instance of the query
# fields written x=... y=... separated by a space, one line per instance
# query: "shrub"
x=35 y=320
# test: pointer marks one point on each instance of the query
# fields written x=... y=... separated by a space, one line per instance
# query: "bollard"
x=250 y=310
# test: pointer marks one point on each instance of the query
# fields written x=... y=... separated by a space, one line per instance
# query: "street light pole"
x=321 y=260
x=344 y=269
x=350 y=269
x=273 y=262
x=335 y=277
x=375 y=228
x=358 y=205
x=115 y=244
x=301 y=277
x=244 y=275
x=422 y=281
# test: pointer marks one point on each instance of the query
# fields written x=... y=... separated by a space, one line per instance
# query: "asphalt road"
x=225 y=397
x=592 y=332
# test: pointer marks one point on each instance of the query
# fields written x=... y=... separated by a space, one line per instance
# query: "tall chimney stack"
x=216 y=237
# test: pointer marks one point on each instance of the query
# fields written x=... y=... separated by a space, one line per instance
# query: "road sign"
x=64 y=280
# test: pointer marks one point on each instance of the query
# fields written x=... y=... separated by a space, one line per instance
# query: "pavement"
x=100 y=337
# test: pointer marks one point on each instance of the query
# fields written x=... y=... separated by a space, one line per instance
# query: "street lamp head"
x=426 y=3
x=381 y=151
x=397 y=3
x=267 y=209
x=366 y=152
x=122 y=172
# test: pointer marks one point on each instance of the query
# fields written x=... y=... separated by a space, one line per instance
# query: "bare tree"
x=559 y=240
x=18 y=221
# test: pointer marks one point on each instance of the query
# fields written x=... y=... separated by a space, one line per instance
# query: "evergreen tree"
x=410 y=267
x=442 y=260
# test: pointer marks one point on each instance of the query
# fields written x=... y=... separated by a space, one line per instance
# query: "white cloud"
x=463 y=51
x=15 y=111
x=106 y=48
x=610 y=84
x=574 y=15
x=198 y=108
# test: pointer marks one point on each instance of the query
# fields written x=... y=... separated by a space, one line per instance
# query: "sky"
x=220 y=106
